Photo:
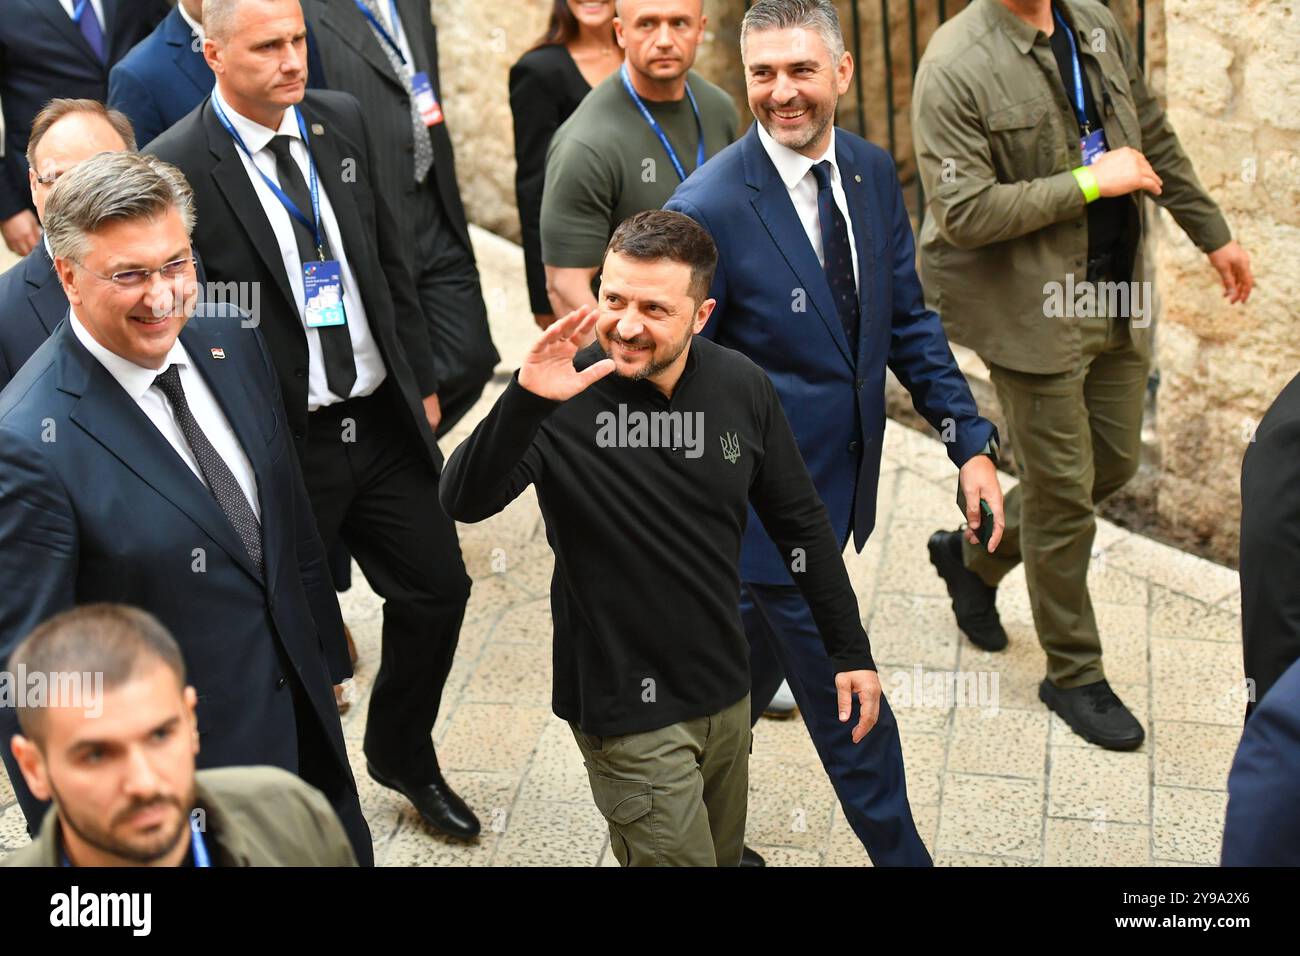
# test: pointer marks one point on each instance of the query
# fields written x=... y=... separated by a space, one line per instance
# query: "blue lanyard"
x=379 y=27
x=289 y=205
x=1080 y=109
x=197 y=846
x=80 y=12
x=658 y=130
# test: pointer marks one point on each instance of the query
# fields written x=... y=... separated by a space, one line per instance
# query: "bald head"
x=67 y=132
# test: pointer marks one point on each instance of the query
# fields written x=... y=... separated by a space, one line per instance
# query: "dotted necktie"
x=221 y=481
x=335 y=340
x=405 y=72
x=837 y=254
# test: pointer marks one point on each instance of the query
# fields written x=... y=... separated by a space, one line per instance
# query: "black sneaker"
x=1095 y=714
x=973 y=601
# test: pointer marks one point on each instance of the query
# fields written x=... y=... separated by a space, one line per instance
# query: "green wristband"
x=1088 y=183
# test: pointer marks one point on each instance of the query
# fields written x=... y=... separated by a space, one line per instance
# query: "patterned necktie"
x=221 y=481
x=405 y=72
x=837 y=254
x=88 y=21
x=335 y=340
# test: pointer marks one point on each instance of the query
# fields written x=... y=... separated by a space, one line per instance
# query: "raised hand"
x=548 y=367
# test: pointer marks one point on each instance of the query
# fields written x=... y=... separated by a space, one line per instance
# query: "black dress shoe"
x=973 y=602
x=1095 y=714
x=750 y=857
x=437 y=803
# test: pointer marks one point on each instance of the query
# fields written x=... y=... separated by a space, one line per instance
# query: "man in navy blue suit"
x=1261 y=827
x=146 y=459
x=817 y=284
x=52 y=48
x=165 y=76
x=32 y=303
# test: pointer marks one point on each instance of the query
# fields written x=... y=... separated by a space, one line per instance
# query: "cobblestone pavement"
x=993 y=777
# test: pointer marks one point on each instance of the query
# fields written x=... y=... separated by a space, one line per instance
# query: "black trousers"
x=447 y=282
x=372 y=485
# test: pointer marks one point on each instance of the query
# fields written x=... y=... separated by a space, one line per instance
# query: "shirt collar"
x=134 y=379
x=195 y=27
x=1022 y=34
x=792 y=167
x=255 y=135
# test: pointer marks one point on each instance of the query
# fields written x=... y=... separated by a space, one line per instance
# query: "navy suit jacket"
x=164 y=77
x=775 y=305
x=32 y=306
x=95 y=505
x=1262 y=827
x=44 y=55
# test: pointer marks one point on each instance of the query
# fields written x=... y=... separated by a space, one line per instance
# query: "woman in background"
x=577 y=52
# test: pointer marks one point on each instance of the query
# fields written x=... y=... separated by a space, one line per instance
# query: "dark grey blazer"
x=355 y=61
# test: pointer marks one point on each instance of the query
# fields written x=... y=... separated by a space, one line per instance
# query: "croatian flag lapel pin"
x=218 y=353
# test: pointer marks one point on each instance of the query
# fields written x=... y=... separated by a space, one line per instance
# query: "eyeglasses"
x=134 y=278
x=50 y=179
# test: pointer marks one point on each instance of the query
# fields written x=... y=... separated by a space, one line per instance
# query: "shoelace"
x=1101 y=696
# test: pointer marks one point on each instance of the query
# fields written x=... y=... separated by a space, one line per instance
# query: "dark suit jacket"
x=238 y=245
x=32 y=305
x=1262 y=825
x=775 y=305
x=44 y=55
x=146 y=532
x=1270 y=543
x=355 y=61
x=164 y=77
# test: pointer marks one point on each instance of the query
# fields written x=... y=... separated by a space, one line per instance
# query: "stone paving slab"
x=1000 y=783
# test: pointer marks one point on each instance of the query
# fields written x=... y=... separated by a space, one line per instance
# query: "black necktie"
x=837 y=254
x=335 y=341
x=221 y=481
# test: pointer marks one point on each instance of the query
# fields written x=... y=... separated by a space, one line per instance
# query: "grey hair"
x=817 y=15
x=108 y=188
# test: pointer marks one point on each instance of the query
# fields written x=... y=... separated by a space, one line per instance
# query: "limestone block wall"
x=1233 y=87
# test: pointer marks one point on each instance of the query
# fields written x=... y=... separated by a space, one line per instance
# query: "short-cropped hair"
x=57 y=109
x=109 y=188
x=110 y=639
x=657 y=234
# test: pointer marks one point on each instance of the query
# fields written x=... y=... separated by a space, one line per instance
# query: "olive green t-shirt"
x=606 y=163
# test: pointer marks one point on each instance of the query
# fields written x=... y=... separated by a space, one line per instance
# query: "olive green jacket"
x=996 y=138
x=249 y=816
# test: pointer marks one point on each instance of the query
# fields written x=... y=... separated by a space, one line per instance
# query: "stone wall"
x=1232 y=82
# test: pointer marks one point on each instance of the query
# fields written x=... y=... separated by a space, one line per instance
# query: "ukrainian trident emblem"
x=730 y=446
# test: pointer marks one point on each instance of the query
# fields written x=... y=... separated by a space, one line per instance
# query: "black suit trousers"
x=372 y=485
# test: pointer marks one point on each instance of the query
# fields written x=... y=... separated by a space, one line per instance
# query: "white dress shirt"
x=195 y=27
x=795 y=171
x=370 y=364
x=138 y=383
x=71 y=7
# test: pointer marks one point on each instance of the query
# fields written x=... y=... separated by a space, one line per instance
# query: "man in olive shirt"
x=1036 y=137
x=109 y=734
x=629 y=144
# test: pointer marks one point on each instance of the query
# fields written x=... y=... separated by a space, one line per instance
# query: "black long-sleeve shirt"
x=645 y=502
